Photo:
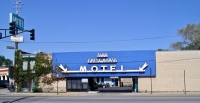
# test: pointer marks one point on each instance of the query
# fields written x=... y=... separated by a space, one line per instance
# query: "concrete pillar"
x=6 y=78
x=133 y=86
x=1 y=77
x=119 y=82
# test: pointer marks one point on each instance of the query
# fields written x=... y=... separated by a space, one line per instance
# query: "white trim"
x=101 y=71
x=6 y=77
x=3 y=69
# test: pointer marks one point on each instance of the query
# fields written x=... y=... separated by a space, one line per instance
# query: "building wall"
x=53 y=87
x=3 y=73
x=127 y=81
x=4 y=80
x=170 y=66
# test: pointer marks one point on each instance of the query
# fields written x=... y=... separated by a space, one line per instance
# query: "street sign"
x=16 y=38
x=10 y=47
x=18 y=20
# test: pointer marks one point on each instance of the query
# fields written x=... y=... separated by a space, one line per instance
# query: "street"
x=108 y=98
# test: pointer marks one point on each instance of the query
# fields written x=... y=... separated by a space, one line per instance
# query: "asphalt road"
x=101 y=99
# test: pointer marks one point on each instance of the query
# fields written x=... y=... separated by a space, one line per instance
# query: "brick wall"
x=170 y=66
x=53 y=86
x=126 y=81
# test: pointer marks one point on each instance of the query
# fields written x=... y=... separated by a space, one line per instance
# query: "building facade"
x=170 y=76
x=84 y=70
x=156 y=71
x=4 y=79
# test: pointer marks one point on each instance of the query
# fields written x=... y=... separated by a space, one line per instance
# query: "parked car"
x=4 y=84
x=102 y=85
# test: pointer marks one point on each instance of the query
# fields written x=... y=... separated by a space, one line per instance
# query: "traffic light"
x=12 y=28
x=0 y=35
x=32 y=35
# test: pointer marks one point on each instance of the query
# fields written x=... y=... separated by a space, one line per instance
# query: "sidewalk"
x=102 y=94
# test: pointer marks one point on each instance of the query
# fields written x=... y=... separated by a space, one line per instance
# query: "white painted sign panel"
x=84 y=80
x=114 y=77
x=17 y=38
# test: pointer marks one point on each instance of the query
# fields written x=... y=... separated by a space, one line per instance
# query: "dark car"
x=102 y=85
x=4 y=84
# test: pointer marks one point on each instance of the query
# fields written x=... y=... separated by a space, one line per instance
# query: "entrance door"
x=135 y=85
x=92 y=84
x=116 y=82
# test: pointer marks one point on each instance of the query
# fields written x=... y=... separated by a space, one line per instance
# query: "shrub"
x=36 y=89
x=39 y=89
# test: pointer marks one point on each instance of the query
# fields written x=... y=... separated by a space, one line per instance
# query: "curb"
x=98 y=94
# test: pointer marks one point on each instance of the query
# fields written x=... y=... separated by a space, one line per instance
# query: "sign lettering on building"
x=103 y=58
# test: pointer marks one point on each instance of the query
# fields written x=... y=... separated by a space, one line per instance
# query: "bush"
x=36 y=89
x=39 y=89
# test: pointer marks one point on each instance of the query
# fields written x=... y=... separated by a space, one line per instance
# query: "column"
x=6 y=77
x=1 y=77
x=119 y=82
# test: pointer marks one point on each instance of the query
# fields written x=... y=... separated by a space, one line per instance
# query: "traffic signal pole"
x=17 y=6
x=1 y=35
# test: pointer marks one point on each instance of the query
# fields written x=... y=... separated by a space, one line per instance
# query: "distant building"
x=4 y=79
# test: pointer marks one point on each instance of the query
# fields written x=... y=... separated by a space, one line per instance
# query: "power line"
x=179 y=60
x=76 y=42
x=143 y=61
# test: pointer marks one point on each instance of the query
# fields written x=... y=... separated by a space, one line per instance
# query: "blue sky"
x=79 y=23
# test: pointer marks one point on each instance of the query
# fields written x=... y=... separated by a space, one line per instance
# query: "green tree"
x=29 y=75
x=190 y=38
x=2 y=59
x=8 y=62
x=18 y=70
x=162 y=49
x=43 y=66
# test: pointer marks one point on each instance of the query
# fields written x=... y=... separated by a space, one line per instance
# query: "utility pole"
x=17 y=5
x=151 y=80
x=57 y=83
x=184 y=82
